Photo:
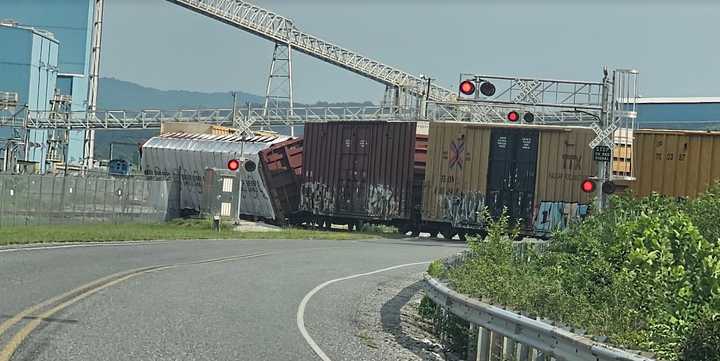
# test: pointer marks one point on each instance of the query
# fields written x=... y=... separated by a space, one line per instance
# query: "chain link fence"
x=52 y=199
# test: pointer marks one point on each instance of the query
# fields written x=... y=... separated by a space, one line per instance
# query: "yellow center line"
x=26 y=312
x=86 y=291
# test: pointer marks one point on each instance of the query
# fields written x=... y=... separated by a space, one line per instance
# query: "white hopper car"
x=191 y=154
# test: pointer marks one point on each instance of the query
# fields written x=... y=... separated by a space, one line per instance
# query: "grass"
x=174 y=230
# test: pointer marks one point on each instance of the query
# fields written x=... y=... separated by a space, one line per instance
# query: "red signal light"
x=467 y=87
x=588 y=186
x=233 y=164
x=513 y=116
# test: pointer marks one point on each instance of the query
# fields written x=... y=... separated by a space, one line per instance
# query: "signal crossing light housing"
x=467 y=87
x=249 y=166
x=588 y=186
x=487 y=88
x=233 y=165
x=513 y=116
x=607 y=187
x=529 y=117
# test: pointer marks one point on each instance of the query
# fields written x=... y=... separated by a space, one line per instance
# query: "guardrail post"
x=510 y=349
x=496 y=351
x=540 y=356
x=524 y=352
x=483 y=353
x=473 y=343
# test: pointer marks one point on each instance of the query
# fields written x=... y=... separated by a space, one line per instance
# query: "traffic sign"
x=602 y=153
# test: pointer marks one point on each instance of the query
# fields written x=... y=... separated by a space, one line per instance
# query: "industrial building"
x=701 y=113
x=48 y=65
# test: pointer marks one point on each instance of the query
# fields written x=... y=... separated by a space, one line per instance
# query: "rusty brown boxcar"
x=534 y=172
x=281 y=168
x=356 y=171
x=675 y=163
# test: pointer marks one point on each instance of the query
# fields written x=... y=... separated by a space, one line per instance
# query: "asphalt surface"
x=236 y=309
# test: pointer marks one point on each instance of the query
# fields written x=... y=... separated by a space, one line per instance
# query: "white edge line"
x=301 y=308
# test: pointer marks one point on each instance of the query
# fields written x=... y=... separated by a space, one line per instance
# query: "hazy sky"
x=672 y=43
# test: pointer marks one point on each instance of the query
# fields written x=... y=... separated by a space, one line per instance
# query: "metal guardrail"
x=491 y=326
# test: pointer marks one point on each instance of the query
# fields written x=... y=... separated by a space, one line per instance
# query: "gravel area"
x=387 y=321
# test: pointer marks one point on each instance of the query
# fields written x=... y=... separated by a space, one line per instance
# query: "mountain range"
x=116 y=94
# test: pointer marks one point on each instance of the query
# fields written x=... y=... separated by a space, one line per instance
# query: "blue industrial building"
x=679 y=113
x=67 y=24
x=71 y=22
x=30 y=66
x=30 y=69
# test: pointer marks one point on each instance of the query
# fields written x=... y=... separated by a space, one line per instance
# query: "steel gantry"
x=281 y=30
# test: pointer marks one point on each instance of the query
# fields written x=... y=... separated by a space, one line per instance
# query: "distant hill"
x=118 y=94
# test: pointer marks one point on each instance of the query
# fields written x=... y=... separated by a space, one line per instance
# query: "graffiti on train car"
x=550 y=216
x=316 y=198
x=382 y=202
x=463 y=208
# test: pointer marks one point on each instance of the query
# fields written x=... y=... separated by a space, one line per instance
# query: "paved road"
x=242 y=305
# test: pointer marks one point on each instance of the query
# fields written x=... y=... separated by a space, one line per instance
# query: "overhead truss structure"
x=278 y=29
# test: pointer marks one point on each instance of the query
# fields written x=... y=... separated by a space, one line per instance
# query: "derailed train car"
x=281 y=168
x=532 y=171
x=189 y=155
x=358 y=171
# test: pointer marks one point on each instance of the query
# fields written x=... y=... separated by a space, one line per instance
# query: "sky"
x=672 y=43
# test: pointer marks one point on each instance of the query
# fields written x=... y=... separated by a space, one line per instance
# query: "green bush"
x=436 y=269
x=703 y=341
x=705 y=213
x=641 y=272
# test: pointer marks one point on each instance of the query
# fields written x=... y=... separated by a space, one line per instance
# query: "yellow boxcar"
x=675 y=163
x=533 y=171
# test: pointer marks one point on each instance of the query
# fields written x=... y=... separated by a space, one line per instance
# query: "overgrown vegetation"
x=178 y=229
x=645 y=273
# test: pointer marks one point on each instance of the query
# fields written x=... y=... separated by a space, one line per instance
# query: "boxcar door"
x=499 y=170
x=353 y=163
x=511 y=172
x=522 y=190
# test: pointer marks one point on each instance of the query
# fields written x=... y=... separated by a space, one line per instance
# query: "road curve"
x=198 y=300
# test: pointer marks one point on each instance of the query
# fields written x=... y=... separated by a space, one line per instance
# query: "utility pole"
x=426 y=101
x=234 y=109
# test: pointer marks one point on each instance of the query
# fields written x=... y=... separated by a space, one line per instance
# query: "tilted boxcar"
x=355 y=171
x=534 y=172
x=675 y=162
x=190 y=155
x=281 y=168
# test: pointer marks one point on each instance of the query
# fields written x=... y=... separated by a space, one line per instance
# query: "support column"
x=279 y=90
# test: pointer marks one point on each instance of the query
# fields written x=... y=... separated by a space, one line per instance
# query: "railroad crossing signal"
x=603 y=135
x=588 y=186
x=249 y=166
x=467 y=87
x=233 y=165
